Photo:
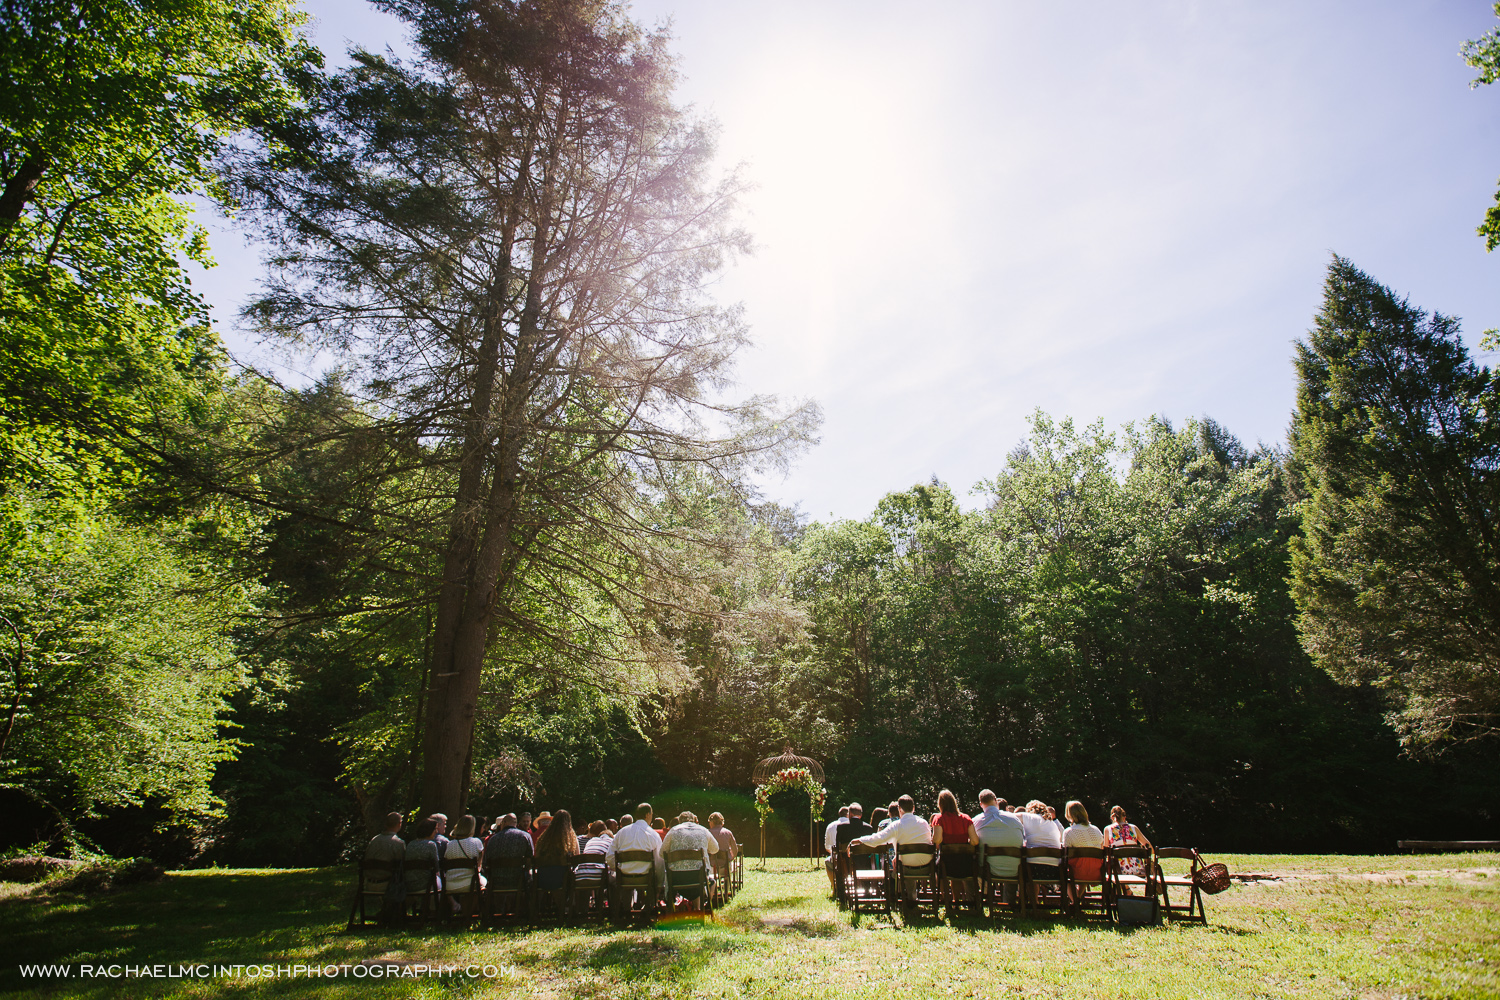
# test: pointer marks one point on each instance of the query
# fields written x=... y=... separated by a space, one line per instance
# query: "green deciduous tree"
x=113 y=114
x=1396 y=442
x=1483 y=54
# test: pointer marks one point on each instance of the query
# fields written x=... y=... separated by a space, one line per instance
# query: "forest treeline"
x=506 y=549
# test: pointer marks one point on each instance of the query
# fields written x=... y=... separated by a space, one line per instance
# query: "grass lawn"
x=1397 y=928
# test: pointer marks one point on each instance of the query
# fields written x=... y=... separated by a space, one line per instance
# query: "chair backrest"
x=371 y=866
x=454 y=864
x=1096 y=853
x=490 y=863
x=914 y=849
x=957 y=860
x=856 y=849
x=1188 y=854
x=647 y=877
x=1041 y=852
x=687 y=855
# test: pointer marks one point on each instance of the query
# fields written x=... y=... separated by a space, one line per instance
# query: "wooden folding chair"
x=627 y=887
x=916 y=884
x=469 y=899
x=1123 y=886
x=696 y=877
x=957 y=871
x=723 y=884
x=869 y=889
x=422 y=892
x=588 y=887
x=992 y=887
x=739 y=870
x=1090 y=896
x=1188 y=883
x=508 y=893
x=369 y=893
x=549 y=904
x=1046 y=884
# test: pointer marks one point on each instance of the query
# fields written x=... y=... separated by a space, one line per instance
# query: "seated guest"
x=830 y=843
x=543 y=820
x=598 y=839
x=388 y=847
x=523 y=823
x=724 y=835
x=950 y=826
x=1123 y=833
x=510 y=841
x=1082 y=833
x=613 y=826
x=597 y=844
x=554 y=852
x=909 y=828
x=687 y=835
x=467 y=846
x=997 y=828
x=729 y=848
x=442 y=828
x=852 y=830
x=1040 y=832
x=879 y=817
x=660 y=826
x=637 y=835
x=422 y=850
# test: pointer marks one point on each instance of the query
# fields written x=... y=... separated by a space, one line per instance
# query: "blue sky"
x=966 y=211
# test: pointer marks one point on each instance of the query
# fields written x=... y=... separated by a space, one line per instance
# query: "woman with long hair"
x=554 y=852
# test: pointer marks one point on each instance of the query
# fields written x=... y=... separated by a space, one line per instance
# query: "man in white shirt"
x=687 y=835
x=830 y=840
x=638 y=836
x=998 y=828
x=908 y=829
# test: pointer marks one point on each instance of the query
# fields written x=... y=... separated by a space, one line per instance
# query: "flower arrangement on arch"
x=787 y=779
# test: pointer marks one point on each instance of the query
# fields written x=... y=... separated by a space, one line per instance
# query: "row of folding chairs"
x=960 y=875
x=512 y=892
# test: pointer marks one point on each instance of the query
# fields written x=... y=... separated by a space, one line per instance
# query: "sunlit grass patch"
x=1319 y=935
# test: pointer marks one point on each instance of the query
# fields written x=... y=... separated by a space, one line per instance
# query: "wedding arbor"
x=784 y=773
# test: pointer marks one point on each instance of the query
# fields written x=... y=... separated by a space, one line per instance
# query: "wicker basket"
x=1212 y=878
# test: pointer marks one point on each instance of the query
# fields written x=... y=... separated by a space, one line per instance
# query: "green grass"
x=1329 y=933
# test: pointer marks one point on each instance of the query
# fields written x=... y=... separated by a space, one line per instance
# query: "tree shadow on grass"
x=277 y=918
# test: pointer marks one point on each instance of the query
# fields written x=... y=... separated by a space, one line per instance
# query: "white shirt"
x=1083 y=835
x=909 y=829
x=470 y=848
x=1040 y=832
x=687 y=836
x=638 y=836
x=997 y=828
x=830 y=838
